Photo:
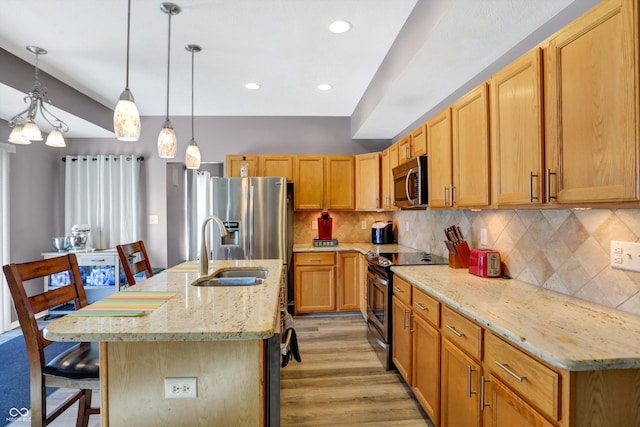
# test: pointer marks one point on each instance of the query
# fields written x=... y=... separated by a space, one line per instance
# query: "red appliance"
x=325 y=223
x=485 y=263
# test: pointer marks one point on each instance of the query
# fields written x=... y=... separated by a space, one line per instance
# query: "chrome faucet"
x=204 y=252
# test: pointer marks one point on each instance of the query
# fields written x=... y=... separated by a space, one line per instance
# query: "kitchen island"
x=227 y=337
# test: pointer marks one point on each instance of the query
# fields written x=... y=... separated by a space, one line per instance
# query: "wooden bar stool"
x=134 y=259
x=76 y=367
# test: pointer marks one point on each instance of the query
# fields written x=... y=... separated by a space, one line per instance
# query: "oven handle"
x=377 y=279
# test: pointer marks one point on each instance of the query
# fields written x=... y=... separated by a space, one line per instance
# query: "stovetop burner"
x=387 y=259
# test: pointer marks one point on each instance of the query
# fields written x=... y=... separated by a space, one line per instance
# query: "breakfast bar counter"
x=227 y=338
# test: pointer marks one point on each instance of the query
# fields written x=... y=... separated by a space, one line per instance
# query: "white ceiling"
x=282 y=44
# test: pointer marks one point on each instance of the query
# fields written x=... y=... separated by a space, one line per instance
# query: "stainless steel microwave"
x=410 y=183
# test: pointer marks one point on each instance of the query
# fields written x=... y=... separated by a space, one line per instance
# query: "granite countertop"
x=193 y=314
x=564 y=331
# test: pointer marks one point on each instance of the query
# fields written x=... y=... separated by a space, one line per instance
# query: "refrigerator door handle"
x=250 y=237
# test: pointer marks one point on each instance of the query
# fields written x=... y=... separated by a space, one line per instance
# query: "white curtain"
x=5 y=297
x=103 y=192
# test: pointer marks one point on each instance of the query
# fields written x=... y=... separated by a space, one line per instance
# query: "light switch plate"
x=625 y=255
x=314 y=224
x=363 y=225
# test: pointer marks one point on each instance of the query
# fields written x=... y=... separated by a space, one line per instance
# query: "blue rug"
x=14 y=376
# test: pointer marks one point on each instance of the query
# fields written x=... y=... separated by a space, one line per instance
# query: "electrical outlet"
x=625 y=255
x=314 y=225
x=180 y=388
x=483 y=236
x=153 y=219
x=406 y=226
x=363 y=225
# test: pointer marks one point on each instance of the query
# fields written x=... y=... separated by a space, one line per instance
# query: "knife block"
x=461 y=258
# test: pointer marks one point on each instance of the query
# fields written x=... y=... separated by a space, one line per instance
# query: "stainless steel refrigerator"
x=257 y=213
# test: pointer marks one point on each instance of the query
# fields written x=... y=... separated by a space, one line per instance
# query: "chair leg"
x=84 y=405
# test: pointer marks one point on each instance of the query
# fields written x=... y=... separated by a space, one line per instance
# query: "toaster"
x=485 y=263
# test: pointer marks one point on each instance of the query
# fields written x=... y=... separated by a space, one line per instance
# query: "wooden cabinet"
x=404 y=148
x=368 y=181
x=276 y=165
x=314 y=282
x=233 y=165
x=324 y=182
x=517 y=132
x=426 y=353
x=348 y=281
x=470 y=140
x=402 y=340
x=591 y=91
x=419 y=141
x=322 y=285
x=388 y=161
x=362 y=280
x=440 y=160
x=507 y=409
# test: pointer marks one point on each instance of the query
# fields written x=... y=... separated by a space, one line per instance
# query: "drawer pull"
x=453 y=329
x=315 y=259
x=510 y=372
x=397 y=289
x=421 y=307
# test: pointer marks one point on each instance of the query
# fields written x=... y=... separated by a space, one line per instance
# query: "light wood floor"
x=341 y=381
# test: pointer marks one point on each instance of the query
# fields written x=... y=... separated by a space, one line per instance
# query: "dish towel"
x=292 y=352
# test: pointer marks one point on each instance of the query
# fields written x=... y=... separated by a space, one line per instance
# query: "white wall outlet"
x=180 y=388
x=153 y=219
x=314 y=224
x=483 y=236
x=363 y=225
x=625 y=255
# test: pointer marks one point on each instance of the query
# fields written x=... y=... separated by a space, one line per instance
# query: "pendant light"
x=192 y=156
x=167 y=142
x=126 y=119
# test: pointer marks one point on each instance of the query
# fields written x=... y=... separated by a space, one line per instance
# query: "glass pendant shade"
x=16 y=136
x=55 y=139
x=167 y=141
x=31 y=131
x=126 y=119
x=192 y=156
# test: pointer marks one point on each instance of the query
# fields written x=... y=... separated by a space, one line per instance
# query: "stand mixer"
x=79 y=236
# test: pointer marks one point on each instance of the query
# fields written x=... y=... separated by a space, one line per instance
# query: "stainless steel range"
x=380 y=292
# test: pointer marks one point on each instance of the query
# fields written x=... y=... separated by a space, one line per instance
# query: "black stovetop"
x=406 y=258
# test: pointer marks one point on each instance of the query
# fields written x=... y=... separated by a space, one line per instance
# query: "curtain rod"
x=73 y=158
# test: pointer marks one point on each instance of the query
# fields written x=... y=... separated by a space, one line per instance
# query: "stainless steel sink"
x=234 y=276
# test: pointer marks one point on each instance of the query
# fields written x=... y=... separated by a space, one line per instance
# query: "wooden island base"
x=230 y=383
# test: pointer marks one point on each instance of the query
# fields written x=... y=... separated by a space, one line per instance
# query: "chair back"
x=27 y=307
x=134 y=259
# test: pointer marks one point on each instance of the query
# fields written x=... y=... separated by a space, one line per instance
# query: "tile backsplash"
x=346 y=226
x=560 y=249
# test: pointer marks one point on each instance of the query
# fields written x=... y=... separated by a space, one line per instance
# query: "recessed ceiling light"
x=324 y=86
x=339 y=27
x=252 y=86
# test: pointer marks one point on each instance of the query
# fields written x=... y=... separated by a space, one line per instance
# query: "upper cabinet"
x=324 y=182
x=368 y=181
x=470 y=138
x=591 y=94
x=233 y=165
x=388 y=161
x=419 y=141
x=517 y=132
x=277 y=165
x=440 y=160
x=404 y=148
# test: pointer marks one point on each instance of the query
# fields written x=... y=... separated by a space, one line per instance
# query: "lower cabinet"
x=314 y=282
x=326 y=282
x=461 y=382
x=426 y=367
x=506 y=409
x=402 y=342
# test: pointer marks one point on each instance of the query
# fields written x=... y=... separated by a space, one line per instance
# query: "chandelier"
x=24 y=127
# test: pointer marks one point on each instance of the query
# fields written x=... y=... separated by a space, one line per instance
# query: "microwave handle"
x=406 y=185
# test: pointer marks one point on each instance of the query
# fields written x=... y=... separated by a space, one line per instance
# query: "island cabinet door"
x=505 y=409
x=315 y=289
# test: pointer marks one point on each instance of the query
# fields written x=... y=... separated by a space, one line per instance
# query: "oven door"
x=377 y=301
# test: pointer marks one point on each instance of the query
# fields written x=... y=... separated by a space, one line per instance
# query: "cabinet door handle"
x=411 y=316
x=531 y=196
x=469 y=391
x=483 y=404
x=421 y=307
x=451 y=188
x=404 y=319
x=548 y=195
x=510 y=372
x=445 y=195
x=453 y=329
